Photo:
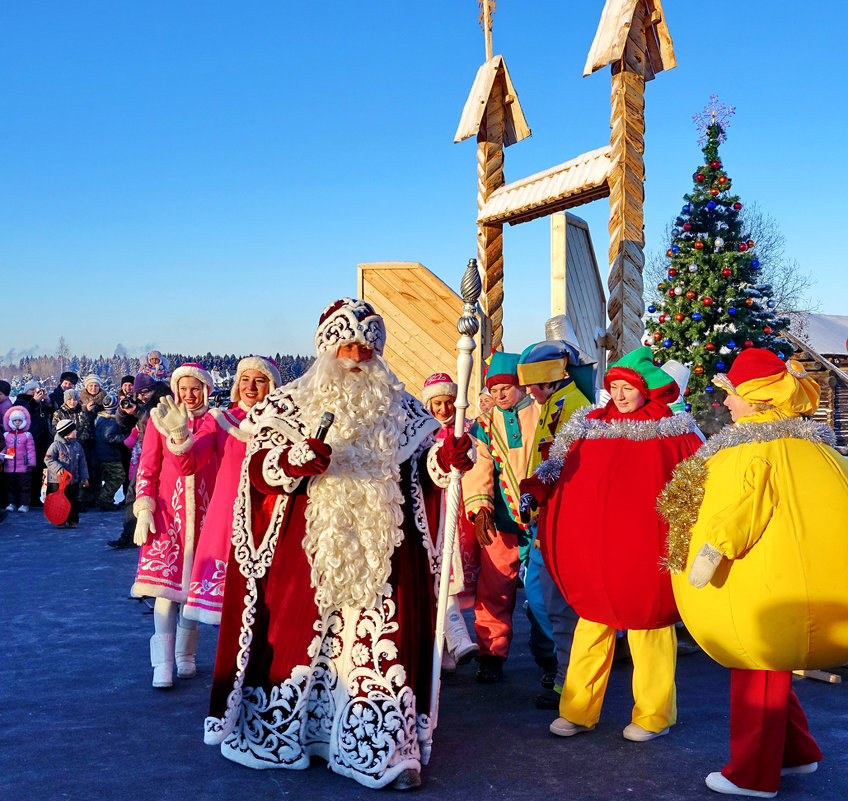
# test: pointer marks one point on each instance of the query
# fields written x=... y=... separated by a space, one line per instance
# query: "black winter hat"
x=64 y=427
x=69 y=376
x=5 y=387
x=127 y=379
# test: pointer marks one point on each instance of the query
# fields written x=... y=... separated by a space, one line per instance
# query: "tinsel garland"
x=680 y=502
x=579 y=427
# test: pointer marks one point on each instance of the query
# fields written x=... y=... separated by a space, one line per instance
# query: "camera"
x=128 y=401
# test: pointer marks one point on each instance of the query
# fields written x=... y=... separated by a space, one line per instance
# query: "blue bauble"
x=688 y=407
x=667 y=343
x=674 y=248
x=755 y=264
x=676 y=232
x=709 y=388
x=720 y=366
x=731 y=344
x=732 y=311
x=686 y=208
x=652 y=309
x=696 y=316
x=711 y=205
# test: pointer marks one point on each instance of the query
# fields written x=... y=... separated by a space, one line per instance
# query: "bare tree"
x=63 y=353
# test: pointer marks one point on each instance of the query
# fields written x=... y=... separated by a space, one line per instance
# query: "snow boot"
x=186 y=648
x=162 y=659
x=460 y=645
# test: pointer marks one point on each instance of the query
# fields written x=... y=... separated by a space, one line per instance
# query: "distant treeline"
x=47 y=369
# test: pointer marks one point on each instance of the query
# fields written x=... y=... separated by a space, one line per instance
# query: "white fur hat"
x=92 y=379
x=194 y=370
x=350 y=320
x=437 y=384
x=263 y=365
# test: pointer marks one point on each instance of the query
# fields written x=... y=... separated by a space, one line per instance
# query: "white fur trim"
x=180 y=448
x=264 y=366
x=195 y=372
x=274 y=473
x=434 y=390
x=226 y=422
x=440 y=478
x=352 y=320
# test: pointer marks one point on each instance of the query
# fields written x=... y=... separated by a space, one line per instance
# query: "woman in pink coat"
x=170 y=508
x=219 y=441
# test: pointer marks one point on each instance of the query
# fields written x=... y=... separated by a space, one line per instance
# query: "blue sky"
x=205 y=176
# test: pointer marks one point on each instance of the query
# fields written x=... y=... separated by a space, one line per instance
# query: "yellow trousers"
x=654 y=653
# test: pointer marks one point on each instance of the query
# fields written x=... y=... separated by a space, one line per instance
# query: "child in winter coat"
x=107 y=448
x=20 y=458
x=156 y=365
x=66 y=454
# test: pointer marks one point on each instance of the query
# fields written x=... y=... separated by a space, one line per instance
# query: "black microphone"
x=324 y=425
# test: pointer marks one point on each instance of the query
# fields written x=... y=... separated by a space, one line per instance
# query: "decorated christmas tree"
x=712 y=305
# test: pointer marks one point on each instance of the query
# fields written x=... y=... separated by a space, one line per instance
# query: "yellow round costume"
x=775 y=504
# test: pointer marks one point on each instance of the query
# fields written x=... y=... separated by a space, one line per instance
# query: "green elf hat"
x=503 y=369
x=638 y=369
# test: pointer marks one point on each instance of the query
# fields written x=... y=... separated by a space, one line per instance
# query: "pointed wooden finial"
x=487 y=11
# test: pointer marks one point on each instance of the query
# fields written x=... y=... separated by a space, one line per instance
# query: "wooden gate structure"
x=633 y=39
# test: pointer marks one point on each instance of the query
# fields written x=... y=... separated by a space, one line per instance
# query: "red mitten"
x=536 y=488
x=454 y=453
x=310 y=457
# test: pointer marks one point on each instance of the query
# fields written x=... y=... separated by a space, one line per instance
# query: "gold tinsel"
x=679 y=503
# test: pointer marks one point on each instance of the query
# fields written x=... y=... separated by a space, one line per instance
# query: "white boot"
x=448 y=662
x=459 y=643
x=186 y=648
x=162 y=659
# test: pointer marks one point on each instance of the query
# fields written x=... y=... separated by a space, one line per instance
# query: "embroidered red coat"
x=179 y=505
x=601 y=535
x=351 y=685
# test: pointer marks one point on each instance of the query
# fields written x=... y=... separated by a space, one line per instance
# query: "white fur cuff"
x=144 y=503
x=440 y=477
x=180 y=448
x=300 y=454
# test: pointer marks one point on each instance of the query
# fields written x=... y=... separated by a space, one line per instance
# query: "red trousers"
x=496 y=586
x=768 y=729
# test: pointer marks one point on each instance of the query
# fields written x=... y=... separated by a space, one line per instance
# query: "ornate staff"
x=467 y=326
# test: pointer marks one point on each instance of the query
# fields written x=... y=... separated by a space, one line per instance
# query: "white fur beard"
x=354 y=514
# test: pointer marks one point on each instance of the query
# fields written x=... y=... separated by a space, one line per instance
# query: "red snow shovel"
x=56 y=506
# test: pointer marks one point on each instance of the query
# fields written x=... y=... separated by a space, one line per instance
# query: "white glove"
x=143 y=527
x=704 y=565
x=173 y=417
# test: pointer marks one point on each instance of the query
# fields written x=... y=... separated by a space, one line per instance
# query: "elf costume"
x=759 y=516
x=603 y=541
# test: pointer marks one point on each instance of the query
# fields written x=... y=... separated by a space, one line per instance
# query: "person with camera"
x=36 y=401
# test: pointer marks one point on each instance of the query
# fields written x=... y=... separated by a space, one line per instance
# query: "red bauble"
x=699 y=177
x=743 y=246
x=668 y=252
x=671 y=293
x=707 y=301
x=662 y=318
x=672 y=272
x=737 y=205
x=698 y=371
x=726 y=271
x=690 y=295
x=657 y=336
x=699 y=245
x=767 y=330
x=687 y=390
x=687 y=226
x=749 y=301
x=722 y=179
x=750 y=243
x=715 y=164
x=710 y=346
x=714 y=191
x=661 y=286
x=679 y=317
x=748 y=344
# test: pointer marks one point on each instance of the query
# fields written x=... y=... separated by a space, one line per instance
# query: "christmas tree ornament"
x=718 y=242
x=687 y=406
x=710 y=346
x=708 y=388
x=748 y=343
x=696 y=316
x=749 y=301
x=675 y=232
x=693 y=268
x=707 y=301
x=711 y=205
x=699 y=245
x=668 y=253
x=690 y=295
x=731 y=345
x=699 y=177
x=699 y=370
x=743 y=246
x=767 y=329
x=714 y=191
x=750 y=243
x=726 y=272
x=687 y=226
x=737 y=205
x=722 y=179
x=715 y=404
x=672 y=272
x=667 y=343
x=678 y=290
x=671 y=293
x=657 y=336
x=731 y=311
x=687 y=207
x=652 y=309
x=772 y=303
x=676 y=248
x=720 y=366
x=661 y=286
x=715 y=164
x=661 y=318
x=679 y=317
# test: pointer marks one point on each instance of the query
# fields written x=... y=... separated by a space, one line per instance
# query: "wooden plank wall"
x=833 y=406
x=420 y=312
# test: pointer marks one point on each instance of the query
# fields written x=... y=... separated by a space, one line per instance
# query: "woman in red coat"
x=603 y=542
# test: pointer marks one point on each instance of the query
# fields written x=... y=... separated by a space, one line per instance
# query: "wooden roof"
x=577 y=181
x=420 y=312
x=614 y=28
x=515 y=126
